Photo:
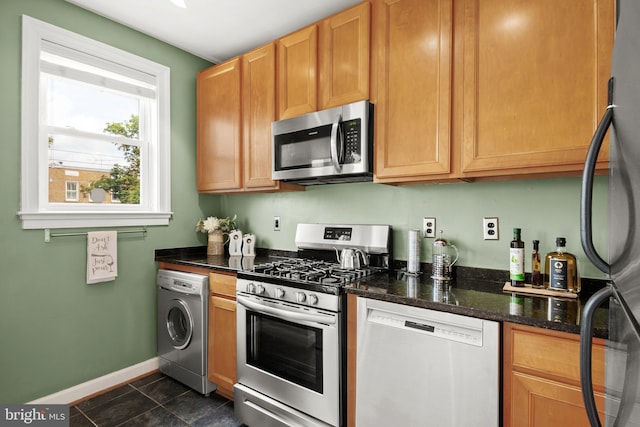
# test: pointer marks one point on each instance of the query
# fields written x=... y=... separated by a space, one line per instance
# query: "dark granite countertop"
x=473 y=292
x=480 y=295
x=196 y=256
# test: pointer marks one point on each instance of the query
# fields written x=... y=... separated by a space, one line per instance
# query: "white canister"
x=235 y=243
x=248 y=245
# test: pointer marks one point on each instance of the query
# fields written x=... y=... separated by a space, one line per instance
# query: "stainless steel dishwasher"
x=419 y=367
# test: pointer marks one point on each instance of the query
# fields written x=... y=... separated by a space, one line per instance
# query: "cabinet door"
x=542 y=377
x=538 y=402
x=412 y=65
x=222 y=344
x=258 y=111
x=534 y=83
x=297 y=79
x=344 y=51
x=218 y=128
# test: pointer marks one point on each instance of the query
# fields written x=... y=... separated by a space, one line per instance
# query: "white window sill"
x=42 y=220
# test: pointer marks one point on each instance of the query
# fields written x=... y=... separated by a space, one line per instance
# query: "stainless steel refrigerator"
x=622 y=122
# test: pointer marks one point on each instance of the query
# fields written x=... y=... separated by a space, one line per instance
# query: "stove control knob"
x=279 y=293
x=313 y=299
x=251 y=288
x=301 y=297
x=260 y=289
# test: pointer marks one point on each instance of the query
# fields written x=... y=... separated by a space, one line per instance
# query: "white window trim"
x=35 y=211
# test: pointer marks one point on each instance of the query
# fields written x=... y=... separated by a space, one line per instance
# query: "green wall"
x=56 y=330
x=544 y=209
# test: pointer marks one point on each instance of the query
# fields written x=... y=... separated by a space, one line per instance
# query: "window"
x=101 y=115
x=72 y=191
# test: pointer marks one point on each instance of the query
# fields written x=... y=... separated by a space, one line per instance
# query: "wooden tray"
x=537 y=291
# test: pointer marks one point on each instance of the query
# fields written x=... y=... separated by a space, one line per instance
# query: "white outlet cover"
x=428 y=227
x=490 y=228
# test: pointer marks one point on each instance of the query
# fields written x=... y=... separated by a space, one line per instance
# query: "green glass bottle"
x=516 y=259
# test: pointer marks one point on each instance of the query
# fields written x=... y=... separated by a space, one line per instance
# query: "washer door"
x=179 y=322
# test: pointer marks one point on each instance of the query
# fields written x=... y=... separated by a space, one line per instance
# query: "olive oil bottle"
x=561 y=269
x=516 y=259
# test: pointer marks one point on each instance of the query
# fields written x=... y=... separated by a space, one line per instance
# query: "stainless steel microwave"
x=329 y=146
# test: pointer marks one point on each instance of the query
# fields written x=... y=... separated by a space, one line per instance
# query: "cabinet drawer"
x=552 y=353
x=222 y=284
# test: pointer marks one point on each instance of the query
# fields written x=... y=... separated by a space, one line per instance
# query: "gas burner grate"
x=313 y=271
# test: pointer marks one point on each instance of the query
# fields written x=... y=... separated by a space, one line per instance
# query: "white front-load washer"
x=182 y=328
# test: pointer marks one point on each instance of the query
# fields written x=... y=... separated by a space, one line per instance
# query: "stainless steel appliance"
x=291 y=327
x=451 y=362
x=622 y=353
x=328 y=146
x=182 y=328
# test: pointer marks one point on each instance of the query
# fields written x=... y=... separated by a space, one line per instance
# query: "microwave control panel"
x=352 y=140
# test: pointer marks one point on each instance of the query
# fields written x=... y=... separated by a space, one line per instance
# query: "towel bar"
x=48 y=235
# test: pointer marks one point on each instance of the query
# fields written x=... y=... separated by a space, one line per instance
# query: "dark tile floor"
x=155 y=400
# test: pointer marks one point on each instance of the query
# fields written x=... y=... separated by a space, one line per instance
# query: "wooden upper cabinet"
x=297 y=78
x=533 y=83
x=258 y=111
x=218 y=128
x=412 y=67
x=344 y=52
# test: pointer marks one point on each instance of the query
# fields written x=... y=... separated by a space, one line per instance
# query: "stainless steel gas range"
x=291 y=325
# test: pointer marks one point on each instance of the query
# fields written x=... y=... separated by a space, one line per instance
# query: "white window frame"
x=76 y=190
x=36 y=212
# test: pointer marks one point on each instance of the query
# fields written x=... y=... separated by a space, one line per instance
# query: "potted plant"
x=216 y=228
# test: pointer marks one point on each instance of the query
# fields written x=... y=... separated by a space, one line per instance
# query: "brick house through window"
x=60 y=177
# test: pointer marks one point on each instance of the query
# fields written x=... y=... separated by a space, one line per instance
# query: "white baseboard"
x=96 y=385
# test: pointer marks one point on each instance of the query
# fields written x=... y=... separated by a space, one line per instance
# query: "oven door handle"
x=285 y=314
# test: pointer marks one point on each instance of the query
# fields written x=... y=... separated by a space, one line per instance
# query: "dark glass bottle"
x=516 y=259
x=536 y=275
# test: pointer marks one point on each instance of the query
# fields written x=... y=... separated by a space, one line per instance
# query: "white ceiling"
x=215 y=30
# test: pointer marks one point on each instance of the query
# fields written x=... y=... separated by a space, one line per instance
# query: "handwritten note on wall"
x=102 y=256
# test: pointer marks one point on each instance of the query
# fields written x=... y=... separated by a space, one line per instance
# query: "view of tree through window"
x=124 y=180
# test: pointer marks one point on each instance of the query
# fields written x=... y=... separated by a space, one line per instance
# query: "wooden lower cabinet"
x=222 y=333
x=542 y=377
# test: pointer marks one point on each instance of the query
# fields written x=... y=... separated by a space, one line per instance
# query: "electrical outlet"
x=276 y=223
x=429 y=227
x=490 y=228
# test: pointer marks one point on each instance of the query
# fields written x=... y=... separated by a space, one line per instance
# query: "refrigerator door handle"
x=586 y=329
x=586 y=196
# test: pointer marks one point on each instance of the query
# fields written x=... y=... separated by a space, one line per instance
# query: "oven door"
x=289 y=354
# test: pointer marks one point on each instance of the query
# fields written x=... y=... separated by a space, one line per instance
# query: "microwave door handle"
x=335 y=135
